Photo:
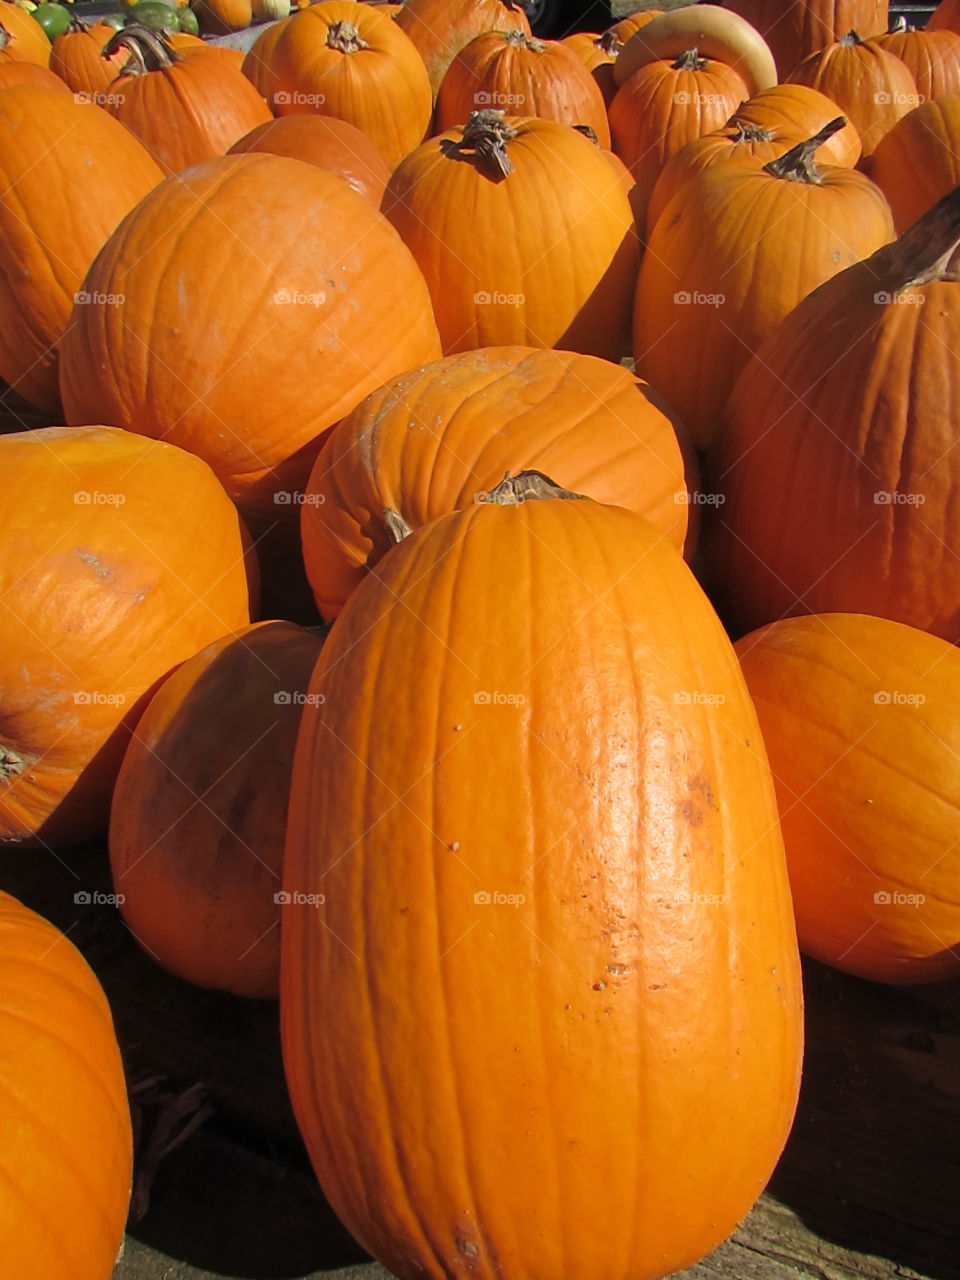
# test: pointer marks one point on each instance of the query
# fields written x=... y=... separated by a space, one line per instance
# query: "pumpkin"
x=836 y=459
x=630 y=25
x=340 y=58
x=918 y=161
x=328 y=143
x=29 y=73
x=932 y=56
x=22 y=39
x=53 y=242
x=86 y=522
x=510 y=71
x=200 y=809
x=257 y=65
x=440 y=437
x=598 y=53
x=664 y=106
x=321 y=311
x=869 y=84
x=500 y=276
x=795 y=29
x=861 y=720
x=500 y=840
x=945 y=17
x=78 y=58
x=440 y=30
x=717 y=34
x=800 y=112
x=232 y=58
x=65 y=1136
x=699 y=314
x=184 y=109
x=219 y=17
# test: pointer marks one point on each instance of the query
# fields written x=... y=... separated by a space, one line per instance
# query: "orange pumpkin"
x=344 y=59
x=219 y=17
x=945 y=17
x=22 y=39
x=869 y=84
x=200 y=809
x=65 y=1136
x=836 y=457
x=29 y=73
x=85 y=522
x=257 y=65
x=184 y=109
x=665 y=105
x=432 y=440
x=320 y=311
x=861 y=720
x=510 y=71
x=232 y=58
x=78 y=58
x=699 y=314
x=918 y=161
x=498 y=277
x=633 y=23
x=800 y=112
x=440 y=30
x=506 y=837
x=53 y=242
x=796 y=29
x=932 y=56
x=598 y=53
x=328 y=143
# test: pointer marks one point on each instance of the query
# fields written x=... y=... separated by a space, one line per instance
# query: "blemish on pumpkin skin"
x=99 y=568
x=618 y=970
x=600 y=986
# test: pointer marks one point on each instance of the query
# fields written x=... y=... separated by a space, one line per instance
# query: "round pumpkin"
x=836 y=459
x=699 y=313
x=918 y=161
x=933 y=57
x=438 y=438
x=440 y=30
x=340 y=58
x=308 y=316
x=85 y=523
x=497 y=274
x=65 y=1135
x=184 y=109
x=800 y=112
x=631 y=24
x=945 y=17
x=200 y=809
x=598 y=53
x=29 y=73
x=257 y=65
x=795 y=29
x=22 y=39
x=507 y=836
x=328 y=143
x=53 y=242
x=861 y=721
x=510 y=71
x=78 y=60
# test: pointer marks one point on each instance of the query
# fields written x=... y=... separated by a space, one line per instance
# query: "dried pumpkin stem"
x=690 y=60
x=148 y=50
x=486 y=134
x=924 y=252
x=4 y=37
x=749 y=132
x=850 y=39
x=397 y=527
x=345 y=38
x=588 y=132
x=528 y=42
x=12 y=764
x=527 y=486
x=610 y=44
x=797 y=165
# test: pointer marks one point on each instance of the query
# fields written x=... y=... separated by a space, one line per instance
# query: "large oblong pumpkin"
x=65 y=1140
x=438 y=438
x=557 y=931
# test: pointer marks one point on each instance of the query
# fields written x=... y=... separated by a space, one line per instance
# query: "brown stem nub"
x=486 y=134
x=924 y=251
x=851 y=38
x=527 y=485
x=749 y=132
x=528 y=42
x=587 y=132
x=345 y=38
x=397 y=527
x=797 y=165
x=610 y=44
x=12 y=764
x=690 y=60
x=148 y=49
x=4 y=37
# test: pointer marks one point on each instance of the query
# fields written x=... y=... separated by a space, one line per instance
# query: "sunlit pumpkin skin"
x=664 y=106
x=869 y=84
x=933 y=58
x=801 y=112
x=77 y=58
x=29 y=73
x=219 y=17
x=628 y=26
x=918 y=161
x=22 y=39
x=431 y=441
x=328 y=143
x=320 y=310
x=725 y=230
x=199 y=881
x=513 y=72
x=85 y=524
x=649 y=1010
x=847 y=505
x=598 y=53
x=184 y=108
x=257 y=65
x=340 y=58
x=572 y=289
x=861 y=721
x=440 y=30
x=65 y=1135
x=795 y=29
x=48 y=244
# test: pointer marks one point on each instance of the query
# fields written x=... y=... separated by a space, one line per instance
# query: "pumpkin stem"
x=797 y=165
x=526 y=486
x=610 y=44
x=345 y=38
x=397 y=527
x=149 y=50
x=12 y=764
x=749 y=132
x=521 y=38
x=924 y=252
x=587 y=132
x=486 y=134
x=4 y=37
x=690 y=60
x=899 y=26
x=849 y=40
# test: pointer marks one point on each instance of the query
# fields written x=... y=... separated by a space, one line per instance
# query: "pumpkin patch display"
x=529 y=910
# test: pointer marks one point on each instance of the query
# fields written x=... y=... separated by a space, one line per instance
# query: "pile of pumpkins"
x=492 y=580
